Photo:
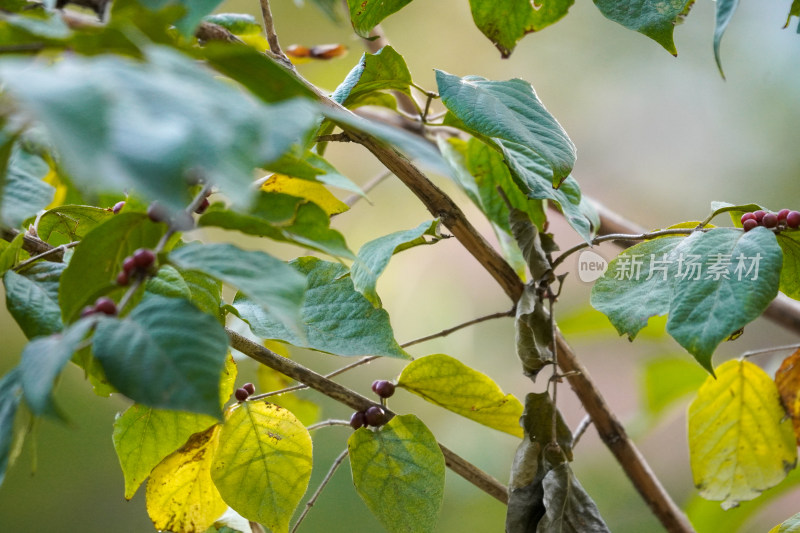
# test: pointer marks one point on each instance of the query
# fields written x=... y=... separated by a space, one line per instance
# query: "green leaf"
x=98 y=259
x=156 y=357
x=569 y=509
x=206 y=293
x=330 y=8
x=740 y=441
x=666 y=380
x=269 y=282
x=398 y=471
x=9 y=251
x=236 y=23
x=789 y=242
x=32 y=298
x=505 y=22
x=794 y=11
x=119 y=124
x=510 y=113
x=263 y=463
x=69 y=223
x=697 y=280
x=382 y=71
x=725 y=10
x=169 y=283
x=23 y=192
x=373 y=257
x=195 y=11
x=42 y=361
x=792 y=525
x=10 y=396
x=654 y=18
x=258 y=73
x=285 y=218
x=449 y=383
x=366 y=14
x=336 y=318
x=143 y=436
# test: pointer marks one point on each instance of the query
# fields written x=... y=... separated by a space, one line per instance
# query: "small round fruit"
x=241 y=394
x=358 y=420
x=143 y=258
x=375 y=416
x=157 y=212
x=782 y=214
x=383 y=388
x=249 y=387
x=748 y=216
x=122 y=278
x=105 y=305
x=793 y=219
x=202 y=207
x=118 y=207
x=128 y=265
x=749 y=224
x=770 y=220
x=88 y=310
x=759 y=215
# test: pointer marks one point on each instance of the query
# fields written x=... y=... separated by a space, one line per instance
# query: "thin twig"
x=58 y=249
x=352 y=399
x=272 y=37
x=448 y=331
x=328 y=423
x=763 y=351
x=322 y=485
x=584 y=424
x=371 y=184
x=334 y=137
x=554 y=379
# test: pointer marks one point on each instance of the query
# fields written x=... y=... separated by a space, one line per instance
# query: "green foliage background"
x=658 y=138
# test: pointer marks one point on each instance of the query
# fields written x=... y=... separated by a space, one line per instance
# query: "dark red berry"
x=383 y=388
x=793 y=219
x=157 y=212
x=749 y=224
x=375 y=416
x=202 y=207
x=759 y=215
x=249 y=387
x=128 y=265
x=122 y=278
x=241 y=394
x=748 y=216
x=88 y=310
x=358 y=420
x=118 y=207
x=105 y=305
x=782 y=214
x=143 y=258
x=770 y=220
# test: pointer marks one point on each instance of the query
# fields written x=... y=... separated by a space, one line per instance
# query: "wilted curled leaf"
x=739 y=441
x=181 y=497
x=787 y=378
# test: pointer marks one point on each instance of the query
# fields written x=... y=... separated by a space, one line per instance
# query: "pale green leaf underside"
x=653 y=18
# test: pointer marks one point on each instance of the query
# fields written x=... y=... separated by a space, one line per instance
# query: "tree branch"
x=352 y=399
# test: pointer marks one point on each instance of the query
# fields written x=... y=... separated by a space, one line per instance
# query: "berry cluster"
x=781 y=219
x=140 y=263
x=244 y=391
x=103 y=305
x=374 y=416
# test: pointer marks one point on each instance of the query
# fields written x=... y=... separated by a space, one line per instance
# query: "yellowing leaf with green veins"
x=227 y=381
x=310 y=190
x=740 y=441
x=451 y=384
x=792 y=525
x=398 y=471
x=263 y=463
x=181 y=497
x=144 y=436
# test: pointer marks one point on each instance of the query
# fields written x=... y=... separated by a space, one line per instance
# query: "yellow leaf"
x=739 y=440
x=451 y=384
x=270 y=380
x=181 y=497
x=787 y=378
x=227 y=379
x=310 y=190
x=61 y=189
x=263 y=463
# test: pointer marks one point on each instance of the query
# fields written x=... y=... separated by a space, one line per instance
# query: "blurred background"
x=658 y=139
